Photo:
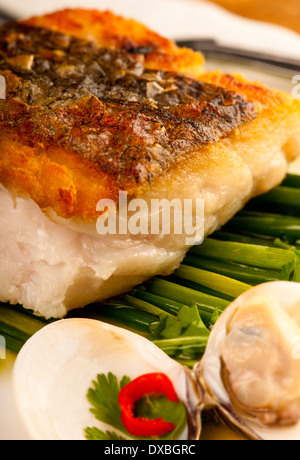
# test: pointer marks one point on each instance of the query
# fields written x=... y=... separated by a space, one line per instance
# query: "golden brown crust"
x=112 y=31
x=263 y=97
x=81 y=122
x=82 y=108
x=54 y=178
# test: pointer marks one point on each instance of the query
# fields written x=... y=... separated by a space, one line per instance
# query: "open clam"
x=249 y=374
x=251 y=366
x=56 y=366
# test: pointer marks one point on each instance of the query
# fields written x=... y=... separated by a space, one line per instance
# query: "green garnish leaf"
x=184 y=336
x=94 y=434
x=152 y=408
x=215 y=317
x=187 y=324
x=291 y=271
x=103 y=397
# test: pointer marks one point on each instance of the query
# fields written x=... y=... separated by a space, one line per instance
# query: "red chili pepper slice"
x=144 y=385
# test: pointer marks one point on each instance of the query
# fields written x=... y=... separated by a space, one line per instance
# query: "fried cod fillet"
x=97 y=105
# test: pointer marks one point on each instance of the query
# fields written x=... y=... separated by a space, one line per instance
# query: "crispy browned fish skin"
x=126 y=126
x=113 y=31
x=75 y=111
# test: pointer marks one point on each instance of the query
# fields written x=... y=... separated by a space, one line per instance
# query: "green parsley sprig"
x=103 y=396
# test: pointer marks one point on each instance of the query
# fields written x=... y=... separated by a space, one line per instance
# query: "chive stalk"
x=183 y=346
x=263 y=240
x=207 y=304
x=246 y=274
x=118 y=314
x=145 y=306
x=215 y=281
x=283 y=200
x=292 y=180
x=17 y=327
x=22 y=322
x=167 y=305
x=12 y=342
x=246 y=254
x=266 y=224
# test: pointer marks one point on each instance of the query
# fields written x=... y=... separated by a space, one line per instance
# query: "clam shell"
x=208 y=371
x=57 y=365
